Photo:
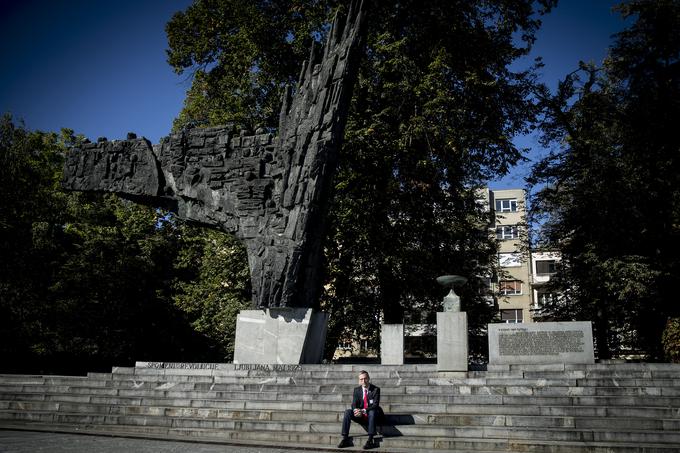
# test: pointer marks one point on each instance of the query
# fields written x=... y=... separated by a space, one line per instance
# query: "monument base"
x=392 y=344
x=280 y=336
x=452 y=341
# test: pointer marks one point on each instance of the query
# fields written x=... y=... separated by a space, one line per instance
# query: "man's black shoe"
x=369 y=444
x=344 y=443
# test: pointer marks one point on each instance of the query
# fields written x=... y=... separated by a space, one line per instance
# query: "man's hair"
x=364 y=372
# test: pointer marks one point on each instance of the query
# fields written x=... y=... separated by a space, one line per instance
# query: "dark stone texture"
x=268 y=190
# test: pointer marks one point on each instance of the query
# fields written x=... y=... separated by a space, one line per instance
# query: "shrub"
x=671 y=340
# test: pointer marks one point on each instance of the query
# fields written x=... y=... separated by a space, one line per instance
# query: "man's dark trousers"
x=373 y=417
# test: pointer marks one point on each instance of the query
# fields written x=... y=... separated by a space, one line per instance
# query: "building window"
x=506 y=205
x=509 y=259
x=545 y=298
x=506 y=232
x=512 y=316
x=510 y=287
x=345 y=346
x=363 y=346
x=545 y=267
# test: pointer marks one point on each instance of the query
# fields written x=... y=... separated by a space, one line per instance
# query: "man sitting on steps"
x=365 y=411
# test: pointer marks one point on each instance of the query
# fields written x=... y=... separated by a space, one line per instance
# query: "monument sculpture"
x=452 y=331
x=451 y=302
x=268 y=190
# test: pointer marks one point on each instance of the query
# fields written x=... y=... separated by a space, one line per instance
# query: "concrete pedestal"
x=392 y=344
x=280 y=336
x=452 y=341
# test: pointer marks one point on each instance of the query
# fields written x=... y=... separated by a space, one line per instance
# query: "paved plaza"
x=35 y=442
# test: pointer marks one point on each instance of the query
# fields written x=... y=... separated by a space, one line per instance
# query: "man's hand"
x=357 y=412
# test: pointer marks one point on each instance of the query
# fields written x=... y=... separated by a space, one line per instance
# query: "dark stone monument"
x=268 y=190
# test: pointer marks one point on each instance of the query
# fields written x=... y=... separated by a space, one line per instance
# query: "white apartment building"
x=518 y=287
x=512 y=285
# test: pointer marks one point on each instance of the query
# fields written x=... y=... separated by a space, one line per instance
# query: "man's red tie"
x=365 y=403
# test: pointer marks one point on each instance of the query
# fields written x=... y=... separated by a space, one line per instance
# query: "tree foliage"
x=215 y=287
x=671 y=340
x=432 y=117
x=239 y=53
x=27 y=178
x=87 y=281
x=431 y=121
x=609 y=196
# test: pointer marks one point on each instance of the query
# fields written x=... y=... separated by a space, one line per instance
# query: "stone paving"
x=37 y=442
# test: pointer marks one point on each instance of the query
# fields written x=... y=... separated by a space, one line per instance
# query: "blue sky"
x=577 y=30
x=99 y=67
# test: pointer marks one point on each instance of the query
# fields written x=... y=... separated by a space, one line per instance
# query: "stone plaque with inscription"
x=210 y=369
x=541 y=342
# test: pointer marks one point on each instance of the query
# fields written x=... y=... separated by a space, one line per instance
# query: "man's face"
x=363 y=380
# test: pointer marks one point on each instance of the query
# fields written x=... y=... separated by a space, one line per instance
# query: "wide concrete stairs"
x=550 y=408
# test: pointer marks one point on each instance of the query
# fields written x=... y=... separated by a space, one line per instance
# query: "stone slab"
x=541 y=343
x=452 y=341
x=392 y=344
x=20 y=441
x=280 y=336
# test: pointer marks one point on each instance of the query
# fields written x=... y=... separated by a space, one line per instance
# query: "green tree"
x=214 y=285
x=432 y=118
x=608 y=196
x=112 y=292
x=240 y=53
x=85 y=279
x=28 y=214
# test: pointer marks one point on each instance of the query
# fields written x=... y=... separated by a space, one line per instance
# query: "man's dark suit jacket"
x=373 y=397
